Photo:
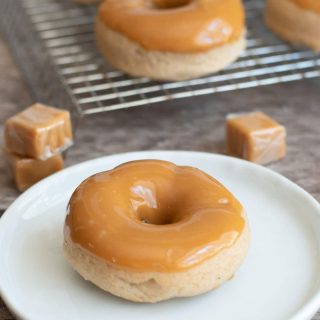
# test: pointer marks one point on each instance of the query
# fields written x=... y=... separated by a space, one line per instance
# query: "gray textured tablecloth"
x=194 y=124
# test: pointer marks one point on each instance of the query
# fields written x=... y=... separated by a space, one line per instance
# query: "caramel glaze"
x=312 y=5
x=185 y=26
x=152 y=215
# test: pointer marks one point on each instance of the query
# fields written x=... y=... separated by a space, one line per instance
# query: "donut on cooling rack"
x=170 y=39
x=297 y=21
x=149 y=230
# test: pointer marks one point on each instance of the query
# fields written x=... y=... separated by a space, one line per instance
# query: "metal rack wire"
x=65 y=31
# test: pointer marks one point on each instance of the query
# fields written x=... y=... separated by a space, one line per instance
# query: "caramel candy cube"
x=255 y=137
x=28 y=171
x=38 y=132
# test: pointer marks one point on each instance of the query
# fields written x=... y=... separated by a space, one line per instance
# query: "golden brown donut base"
x=293 y=24
x=151 y=286
x=133 y=59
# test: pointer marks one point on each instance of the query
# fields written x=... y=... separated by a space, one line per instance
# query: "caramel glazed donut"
x=149 y=231
x=297 y=21
x=170 y=39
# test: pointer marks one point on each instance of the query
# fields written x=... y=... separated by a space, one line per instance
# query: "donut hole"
x=156 y=216
x=170 y=4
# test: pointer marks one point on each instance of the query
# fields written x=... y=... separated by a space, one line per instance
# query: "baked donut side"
x=157 y=286
x=293 y=23
x=132 y=58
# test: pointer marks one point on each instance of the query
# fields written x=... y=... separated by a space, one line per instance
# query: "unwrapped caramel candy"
x=28 y=171
x=255 y=137
x=38 y=132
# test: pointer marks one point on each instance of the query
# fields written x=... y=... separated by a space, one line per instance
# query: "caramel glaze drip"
x=175 y=25
x=312 y=5
x=153 y=215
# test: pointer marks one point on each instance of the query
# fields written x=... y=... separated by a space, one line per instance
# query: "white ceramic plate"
x=279 y=280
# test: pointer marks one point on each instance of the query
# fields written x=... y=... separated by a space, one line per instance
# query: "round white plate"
x=279 y=279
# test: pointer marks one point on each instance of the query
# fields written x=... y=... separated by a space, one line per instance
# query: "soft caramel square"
x=28 y=171
x=38 y=132
x=255 y=137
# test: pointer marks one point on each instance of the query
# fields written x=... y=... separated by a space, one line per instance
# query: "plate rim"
x=305 y=312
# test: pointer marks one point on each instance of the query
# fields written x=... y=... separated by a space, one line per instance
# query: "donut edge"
x=293 y=24
x=133 y=59
x=153 y=287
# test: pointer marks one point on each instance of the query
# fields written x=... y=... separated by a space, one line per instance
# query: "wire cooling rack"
x=62 y=35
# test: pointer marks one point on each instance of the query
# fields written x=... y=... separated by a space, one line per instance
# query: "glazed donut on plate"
x=149 y=230
x=296 y=21
x=170 y=39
